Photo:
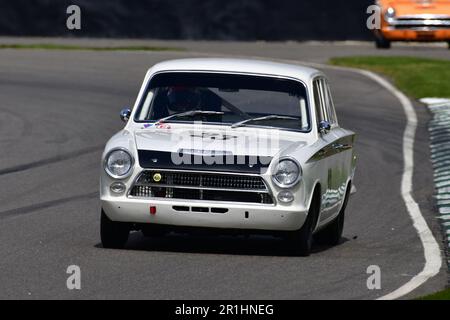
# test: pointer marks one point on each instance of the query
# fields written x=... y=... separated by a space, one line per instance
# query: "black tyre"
x=114 y=235
x=382 y=43
x=332 y=234
x=301 y=241
x=153 y=231
x=448 y=44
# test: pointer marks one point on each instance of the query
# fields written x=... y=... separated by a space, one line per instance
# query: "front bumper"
x=417 y=28
x=415 y=35
x=238 y=216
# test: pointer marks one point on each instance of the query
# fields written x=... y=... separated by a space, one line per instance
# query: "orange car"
x=413 y=20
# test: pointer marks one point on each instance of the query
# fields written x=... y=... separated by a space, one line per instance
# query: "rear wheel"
x=332 y=234
x=301 y=241
x=114 y=235
x=448 y=44
x=382 y=43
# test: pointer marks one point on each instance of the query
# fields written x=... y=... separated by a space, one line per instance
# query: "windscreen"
x=226 y=99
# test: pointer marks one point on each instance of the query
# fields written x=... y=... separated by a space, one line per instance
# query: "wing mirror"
x=324 y=127
x=125 y=114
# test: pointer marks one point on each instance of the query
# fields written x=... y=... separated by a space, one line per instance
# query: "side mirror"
x=125 y=114
x=324 y=127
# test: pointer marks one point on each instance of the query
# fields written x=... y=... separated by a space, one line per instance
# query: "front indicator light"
x=285 y=197
x=117 y=187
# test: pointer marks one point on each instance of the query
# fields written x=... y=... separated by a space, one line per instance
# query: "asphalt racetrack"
x=58 y=109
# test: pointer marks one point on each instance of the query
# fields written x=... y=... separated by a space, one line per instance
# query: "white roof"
x=237 y=65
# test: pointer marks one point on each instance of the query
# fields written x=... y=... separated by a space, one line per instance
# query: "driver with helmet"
x=182 y=99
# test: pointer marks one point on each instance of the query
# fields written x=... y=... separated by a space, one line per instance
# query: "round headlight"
x=287 y=173
x=390 y=13
x=118 y=163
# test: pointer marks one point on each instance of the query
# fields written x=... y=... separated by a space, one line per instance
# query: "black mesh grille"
x=208 y=180
x=201 y=186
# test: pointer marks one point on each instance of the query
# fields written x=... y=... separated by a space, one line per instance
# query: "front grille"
x=421 y=23
x=201 y=186
x=421 y=27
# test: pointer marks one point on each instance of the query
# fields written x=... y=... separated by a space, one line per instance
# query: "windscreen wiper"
x=189 y=114
x=269 y=117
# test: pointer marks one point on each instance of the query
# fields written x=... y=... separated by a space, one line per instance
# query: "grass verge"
x=443 y=295
x=417 y=77
x=49 y=46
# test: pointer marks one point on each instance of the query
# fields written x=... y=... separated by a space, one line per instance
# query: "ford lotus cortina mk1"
x=228 y=145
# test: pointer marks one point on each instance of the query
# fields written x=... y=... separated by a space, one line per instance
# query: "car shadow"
x=253 y=245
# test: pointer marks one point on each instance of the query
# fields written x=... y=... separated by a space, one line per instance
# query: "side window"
x=318 y=100
x=329 y=104
x=324 y=102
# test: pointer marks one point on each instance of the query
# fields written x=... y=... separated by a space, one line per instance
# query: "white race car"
x=229 y=145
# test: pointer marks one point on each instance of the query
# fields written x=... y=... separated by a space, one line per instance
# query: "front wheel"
x=301 y=241
x=332 y=234
x=153 y=231
x=114 y=235
x=382 y=43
